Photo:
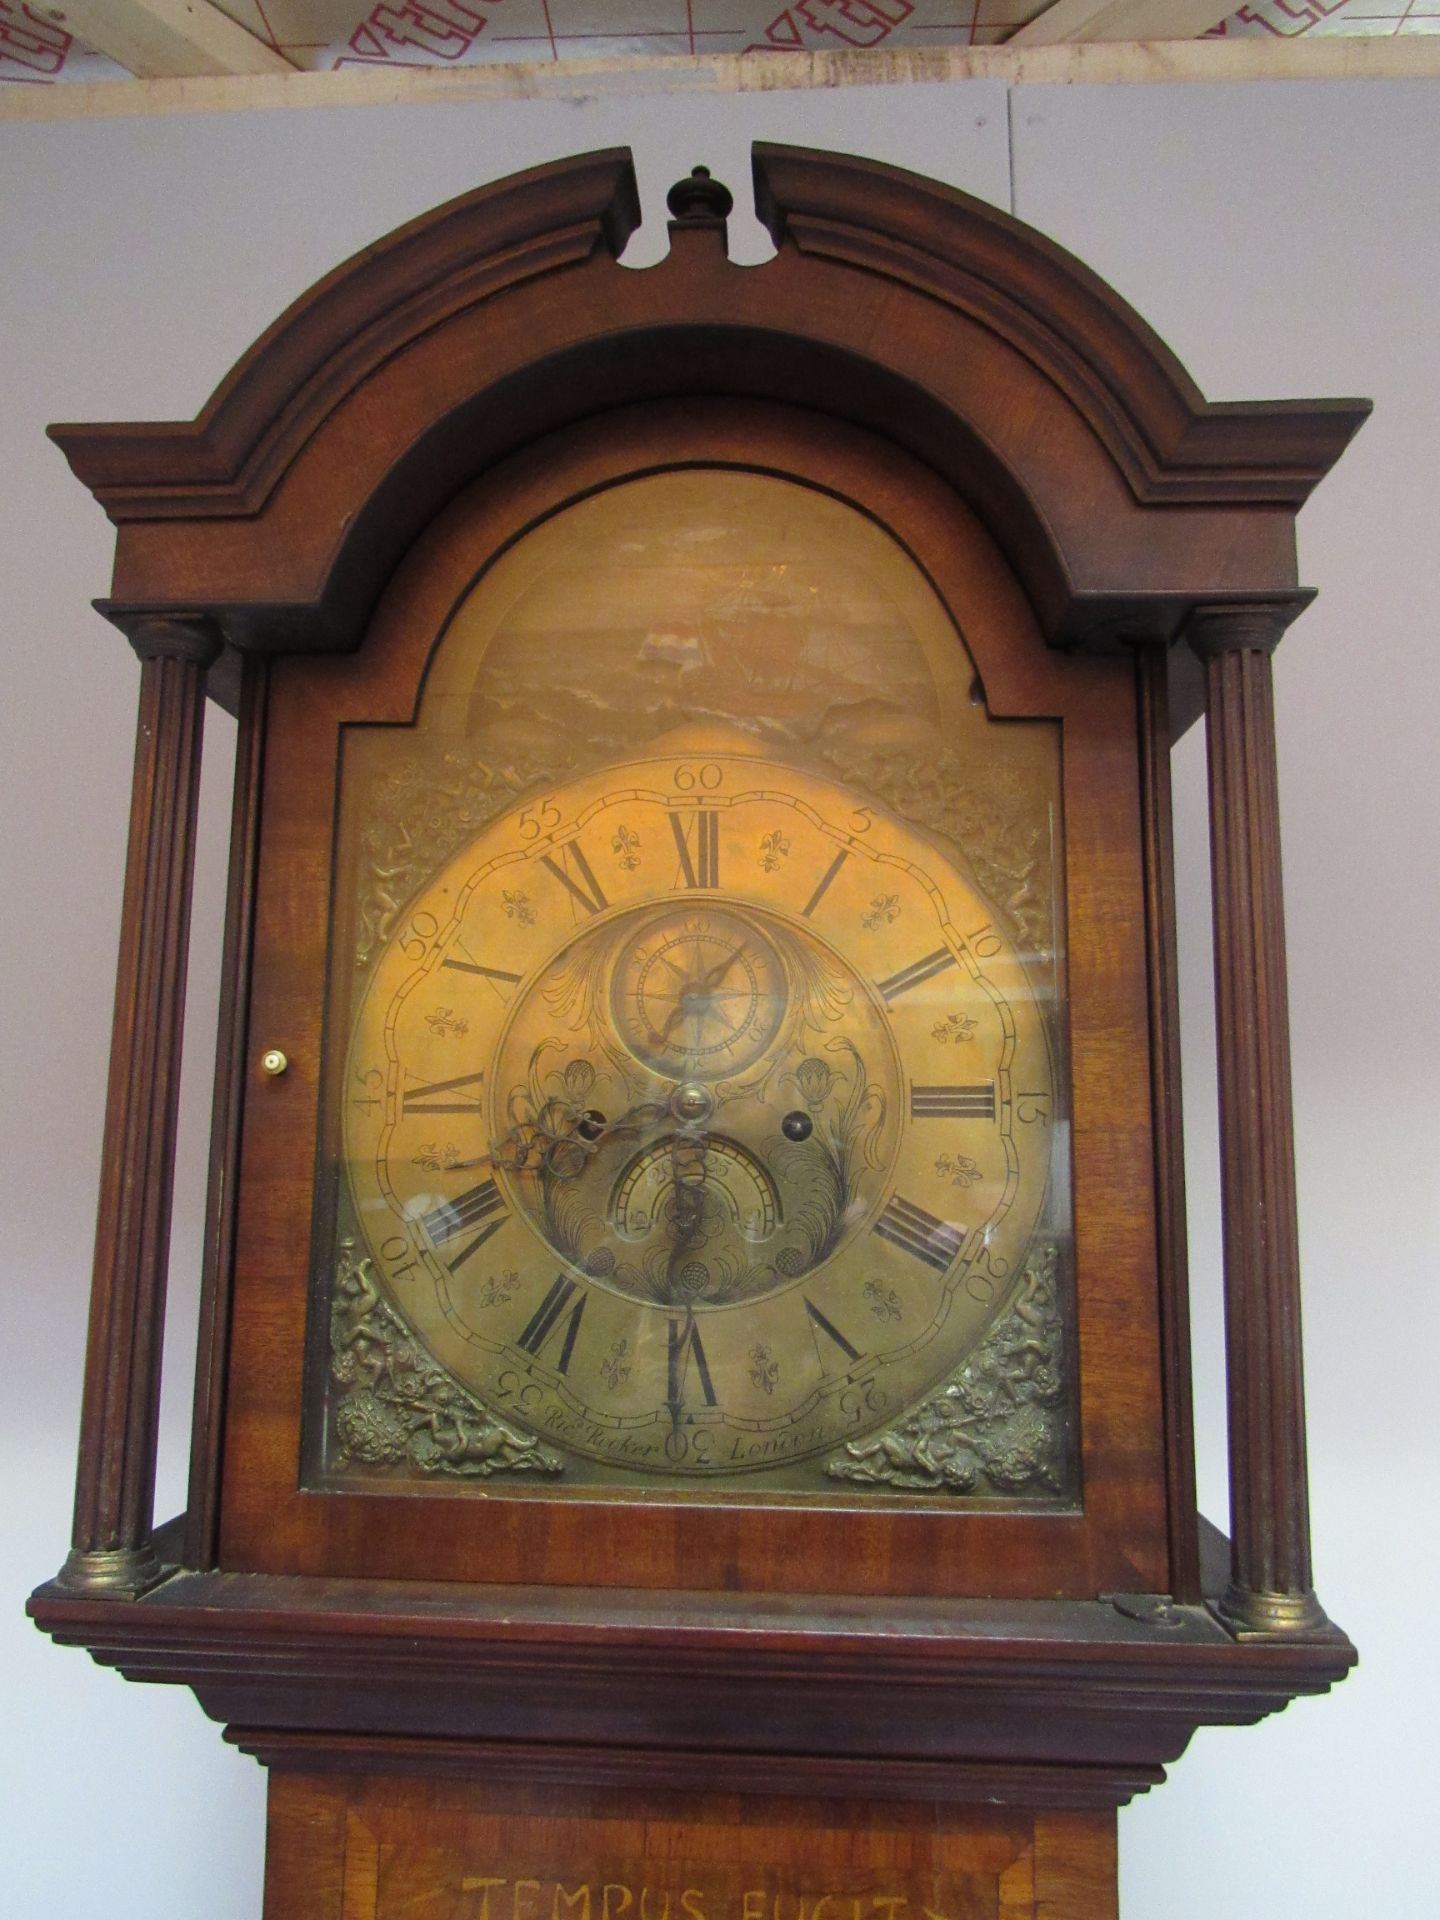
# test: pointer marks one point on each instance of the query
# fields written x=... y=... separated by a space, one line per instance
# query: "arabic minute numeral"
x=415 y=940
x=373 y=1081
x=542 y=818
x=707 y=777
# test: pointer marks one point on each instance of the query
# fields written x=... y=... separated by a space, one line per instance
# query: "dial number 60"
x=708 y=777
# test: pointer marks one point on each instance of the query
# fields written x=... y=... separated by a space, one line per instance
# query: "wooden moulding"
x=1042 y=1703
x=1119 y=495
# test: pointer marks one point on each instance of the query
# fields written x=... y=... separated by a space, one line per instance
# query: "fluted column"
x=1270 y=1589
x=115 y=1480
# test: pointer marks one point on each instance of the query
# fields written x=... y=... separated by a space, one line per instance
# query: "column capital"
x=1241 y=627
x=173 y=636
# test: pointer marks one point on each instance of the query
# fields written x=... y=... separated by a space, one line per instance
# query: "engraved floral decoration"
x=884 y=908
x=545 y=1113
x=548 y=1142
x=397 y=1408
x=615 y=1367
x=498 y=1288
x=764 y=1369
x=418 y=814
x=953 y=1029
x=433 y=1158
x=849 y=1110
x=517 y=906
x=814 y=1079
x=773 y=849
x=819 y=1186
x=693 y=1280
x=445 y=1021
x=998 y=1425
x=957 y=1168
x=625 y=845
x=883 y=1301
x=987 y=813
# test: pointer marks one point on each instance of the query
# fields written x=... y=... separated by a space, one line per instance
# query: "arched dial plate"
x=698 y=1118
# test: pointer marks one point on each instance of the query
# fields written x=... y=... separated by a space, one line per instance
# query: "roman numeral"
x=684 y=1346
x=498 y=974
x=909 y=1227
x=953 y=1103
x=473 y=1246
x=468 y=1210
x=454 y=1217
x=824 y=885
x=703 y=869
x=545 y=1321
x=909 y=977
x=427 y=1099
x=818 y=1325
x=581 y=884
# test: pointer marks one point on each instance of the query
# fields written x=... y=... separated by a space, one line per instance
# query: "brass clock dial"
x=698 y=1117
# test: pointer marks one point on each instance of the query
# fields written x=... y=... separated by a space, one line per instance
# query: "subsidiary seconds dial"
x=697 y=995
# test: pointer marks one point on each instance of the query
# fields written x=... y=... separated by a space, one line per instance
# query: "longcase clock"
x=692 y=1411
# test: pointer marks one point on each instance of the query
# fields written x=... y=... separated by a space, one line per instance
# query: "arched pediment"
x=1121 y=496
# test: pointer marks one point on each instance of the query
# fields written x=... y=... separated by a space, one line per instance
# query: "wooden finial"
x=699 y=199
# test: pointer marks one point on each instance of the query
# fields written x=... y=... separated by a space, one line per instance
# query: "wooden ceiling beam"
x=1304 y=58
x=169 y=39
x=1069 y=22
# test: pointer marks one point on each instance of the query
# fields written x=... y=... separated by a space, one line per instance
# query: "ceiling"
x=47 y=45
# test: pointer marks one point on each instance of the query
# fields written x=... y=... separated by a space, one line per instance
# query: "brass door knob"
x=273 y=1061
